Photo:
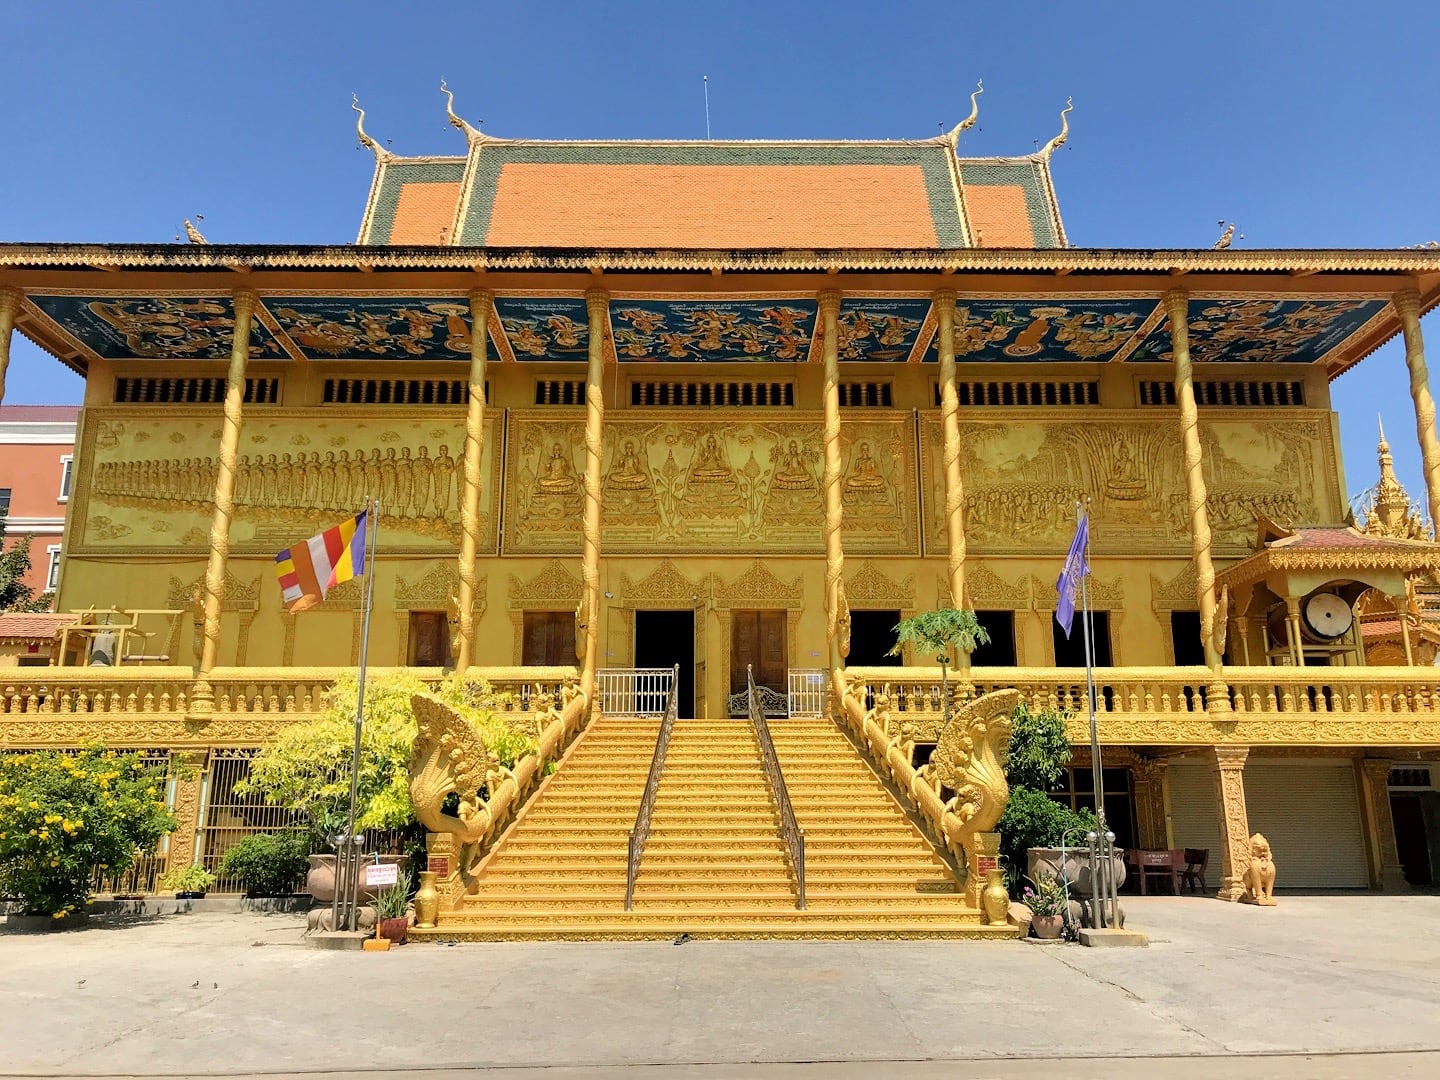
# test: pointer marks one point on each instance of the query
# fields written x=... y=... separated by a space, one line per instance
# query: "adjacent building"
x=37 y=465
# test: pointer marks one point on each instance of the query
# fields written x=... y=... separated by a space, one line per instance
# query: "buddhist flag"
x=310 y=570
x=1077 y=565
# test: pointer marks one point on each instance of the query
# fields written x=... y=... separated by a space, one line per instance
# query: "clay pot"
x=1074 y=868
x=393 y=930
x=995 y=900
x=1047 y=927
x=427 y=899
x=320 y=879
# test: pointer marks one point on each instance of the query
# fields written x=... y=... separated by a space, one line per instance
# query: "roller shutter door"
x=1310 y=813
x=1194 y=819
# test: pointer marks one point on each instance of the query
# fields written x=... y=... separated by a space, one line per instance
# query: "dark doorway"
x=1000 y=625
x=1411 y=841
x=759 y=639
x=1070 y=652
x=872 y=636
x=429 y=639
x=549 y=639
x=1185 y=633
x=664 y=639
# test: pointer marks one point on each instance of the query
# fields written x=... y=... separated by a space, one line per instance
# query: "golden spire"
x=1059 y=140
x=1388 y=510
x=953 y=138
x=471 y=134
x=381 y=154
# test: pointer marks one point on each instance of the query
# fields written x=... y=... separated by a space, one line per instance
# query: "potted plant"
x=390 y=912
x=1047 y=902
x=187 y=882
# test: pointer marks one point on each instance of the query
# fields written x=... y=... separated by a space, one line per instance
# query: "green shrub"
x=267 y=864
x=1034 y=819
x=1039 y=750
x=186 y=879
x=65 y=818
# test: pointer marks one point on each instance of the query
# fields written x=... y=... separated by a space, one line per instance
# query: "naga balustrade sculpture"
x=449 y=755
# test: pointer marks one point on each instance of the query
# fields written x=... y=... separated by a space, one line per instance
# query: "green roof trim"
x=1027 y=174
x=394 y=175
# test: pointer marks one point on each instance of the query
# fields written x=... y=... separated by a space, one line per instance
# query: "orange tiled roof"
x=32 y=626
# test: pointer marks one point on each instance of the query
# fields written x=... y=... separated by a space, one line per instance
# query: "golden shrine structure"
x=736 y=408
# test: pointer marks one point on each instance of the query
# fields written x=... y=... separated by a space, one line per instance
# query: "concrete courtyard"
x=1316 y=987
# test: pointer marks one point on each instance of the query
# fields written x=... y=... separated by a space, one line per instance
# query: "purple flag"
x=1077 y=564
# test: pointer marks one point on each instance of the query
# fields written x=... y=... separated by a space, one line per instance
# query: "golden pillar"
x=944 y=301
x=837 y=613
x=188 y=769
x=1227 y=768
x=1294 y=637
x=1407 y=306
x=1177 y=307
x=203 y=698
x=481 y=304
x=1402 y=612
x=1386 y=873
x=9 y=308
x=597 y=303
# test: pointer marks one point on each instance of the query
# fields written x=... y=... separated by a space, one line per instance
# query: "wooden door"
x=759 y=640
x=429 y=639
x=549 y=639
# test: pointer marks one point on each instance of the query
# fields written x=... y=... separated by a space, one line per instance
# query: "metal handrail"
x=640 y=832
x=790 y=831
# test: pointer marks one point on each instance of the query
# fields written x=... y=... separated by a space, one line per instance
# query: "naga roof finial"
x=1059 y=140
x=375 y=148
x=954 y=136
x=471 y=133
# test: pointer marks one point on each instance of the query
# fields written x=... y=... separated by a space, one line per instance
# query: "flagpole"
x=1101 y=851
x=372 y=511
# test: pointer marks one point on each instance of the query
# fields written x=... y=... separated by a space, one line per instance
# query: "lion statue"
x=1259 y=877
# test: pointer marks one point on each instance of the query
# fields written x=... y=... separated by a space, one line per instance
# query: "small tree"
x=15 y=595
x=64 y=818
x=935 y=633
x=1039 y=754
x=307 y=769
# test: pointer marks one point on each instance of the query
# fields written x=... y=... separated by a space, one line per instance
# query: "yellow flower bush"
x=65 y=817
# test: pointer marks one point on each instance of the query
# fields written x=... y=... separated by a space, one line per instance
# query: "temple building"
x=739 y=407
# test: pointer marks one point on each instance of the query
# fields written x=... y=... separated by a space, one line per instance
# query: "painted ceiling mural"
x=712 y=330
x=880 y=330
x=545 y=328
x=369 y=328
x=1251 y=331
x=155 y=327
x=1037 y=331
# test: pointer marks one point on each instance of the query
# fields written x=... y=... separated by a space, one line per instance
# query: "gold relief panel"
x=686 y=482
x=1022 y=478
x=150 y=475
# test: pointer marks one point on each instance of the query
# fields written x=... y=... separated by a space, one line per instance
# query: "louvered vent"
x=1258 y=394
x=859 y=395
x=398 y=391
x=211 y=391
x=712 y=395
x=559 y=392
x=1017 y=393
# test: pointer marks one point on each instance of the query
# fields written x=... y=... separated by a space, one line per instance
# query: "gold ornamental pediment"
x=664 y=583
x=433 y=591
x=872 y=587
x=759 y=587
x=554 y=584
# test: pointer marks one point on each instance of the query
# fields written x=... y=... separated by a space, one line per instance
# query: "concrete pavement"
x=206 y=995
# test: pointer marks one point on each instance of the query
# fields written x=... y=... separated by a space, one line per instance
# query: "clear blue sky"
x=1311 y=124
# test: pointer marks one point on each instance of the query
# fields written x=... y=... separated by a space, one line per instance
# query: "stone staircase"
x=714 y=865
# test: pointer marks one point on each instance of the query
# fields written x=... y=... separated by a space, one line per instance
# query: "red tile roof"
x=32 y=626
x=53 y=414
x=425 y=213
x=999 y=216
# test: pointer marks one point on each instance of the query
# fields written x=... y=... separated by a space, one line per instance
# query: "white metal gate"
x=634 y=691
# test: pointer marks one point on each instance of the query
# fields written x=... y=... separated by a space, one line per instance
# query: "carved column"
x=1386 y=873
x=597 y=303
x=1149 y=779
x=188 y=768
x=1292 y=630
x=9 y=307
x=1228 y=770
x=944 y=301
x=1407 y=306
x=481 y=304
x=1402 y=611
x=202 y=700
x=1177 y=308
x=836 y=610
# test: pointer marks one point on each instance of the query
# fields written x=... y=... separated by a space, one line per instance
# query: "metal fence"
x=808 y=689
x=634 y=691
x=229 y=817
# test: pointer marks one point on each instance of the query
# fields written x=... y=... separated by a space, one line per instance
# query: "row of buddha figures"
x=686 y=482
x=414 y=486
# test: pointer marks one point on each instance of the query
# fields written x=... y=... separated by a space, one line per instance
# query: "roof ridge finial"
x=381 y=154
x=1384 y=446
x=953 y=138
x=1059 y=140
x=471 y=134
